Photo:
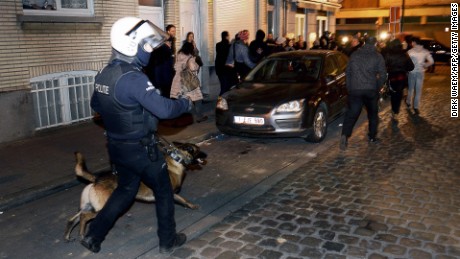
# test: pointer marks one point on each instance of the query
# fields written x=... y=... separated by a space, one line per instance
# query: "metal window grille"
x=61 y=99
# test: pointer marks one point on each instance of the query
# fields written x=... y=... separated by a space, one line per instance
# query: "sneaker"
x=91 y=244
x=343 y=142
x=374 y=140
x=178 y=241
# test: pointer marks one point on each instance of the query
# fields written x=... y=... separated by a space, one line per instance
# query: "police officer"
x=130 y=107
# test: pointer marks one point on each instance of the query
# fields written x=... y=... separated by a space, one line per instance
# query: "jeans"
x=356 y=101
x=415 y=84
x=133 y=165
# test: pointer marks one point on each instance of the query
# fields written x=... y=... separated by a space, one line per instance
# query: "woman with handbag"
x=186 y=80
x=398 y=64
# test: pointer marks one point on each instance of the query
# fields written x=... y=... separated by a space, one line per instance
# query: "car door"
x=342 y=61
x=331 y=77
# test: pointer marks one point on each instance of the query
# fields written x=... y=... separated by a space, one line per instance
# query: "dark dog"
x=94 y=196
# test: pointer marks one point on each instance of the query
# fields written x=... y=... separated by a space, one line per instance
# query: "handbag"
x=188 y=78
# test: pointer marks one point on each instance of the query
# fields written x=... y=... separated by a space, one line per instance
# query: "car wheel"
x=319 y=125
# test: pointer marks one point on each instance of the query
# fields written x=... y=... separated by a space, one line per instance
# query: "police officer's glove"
x=190 y=103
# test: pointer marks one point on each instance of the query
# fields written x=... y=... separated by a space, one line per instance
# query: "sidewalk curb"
x=25 y=196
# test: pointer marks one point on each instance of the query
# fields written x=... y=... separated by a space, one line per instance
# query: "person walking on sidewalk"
x=398 y=63
x=422 y=59
x=365 y=73
x=187 y=59
x=130 y=107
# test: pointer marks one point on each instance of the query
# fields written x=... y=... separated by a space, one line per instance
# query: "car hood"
x=271 y=94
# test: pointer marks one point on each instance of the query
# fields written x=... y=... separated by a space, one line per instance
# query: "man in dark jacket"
x=258 y=48
x=366 y=73
x=160 y=69
x=222 y=71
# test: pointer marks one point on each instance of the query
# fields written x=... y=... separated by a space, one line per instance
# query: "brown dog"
x=95 y=195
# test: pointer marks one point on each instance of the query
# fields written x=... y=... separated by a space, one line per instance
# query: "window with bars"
x=61 y=99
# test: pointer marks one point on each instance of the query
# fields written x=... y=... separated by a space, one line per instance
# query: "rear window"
x=286 y=70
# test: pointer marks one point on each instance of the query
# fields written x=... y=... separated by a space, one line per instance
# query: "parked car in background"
x=289 y=94
x=439 y=51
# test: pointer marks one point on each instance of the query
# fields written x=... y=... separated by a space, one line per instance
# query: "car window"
x=342 y=61
x=293 y=70
x=330 y=67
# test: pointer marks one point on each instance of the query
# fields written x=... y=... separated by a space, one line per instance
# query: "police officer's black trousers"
x=133 y=165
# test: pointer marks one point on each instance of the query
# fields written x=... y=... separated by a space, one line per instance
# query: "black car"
x=289 y=94
x=439 y=51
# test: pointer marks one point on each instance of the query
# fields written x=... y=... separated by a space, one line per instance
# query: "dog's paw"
x=193 y=206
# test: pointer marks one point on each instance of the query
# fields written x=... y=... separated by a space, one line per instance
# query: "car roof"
x=301 y=53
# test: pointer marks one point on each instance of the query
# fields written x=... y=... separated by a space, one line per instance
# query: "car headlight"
x=292 y=106
x=222 y=104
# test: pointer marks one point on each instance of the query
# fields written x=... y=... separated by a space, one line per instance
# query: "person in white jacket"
x=422 y=59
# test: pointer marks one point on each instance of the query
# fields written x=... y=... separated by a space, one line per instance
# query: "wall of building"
x=32 y=49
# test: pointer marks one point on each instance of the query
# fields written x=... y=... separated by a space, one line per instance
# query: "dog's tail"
x=81 y=169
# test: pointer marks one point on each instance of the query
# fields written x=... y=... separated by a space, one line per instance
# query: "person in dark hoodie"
x=366 y=73
x=258 y=48
x=398 y=63
x=223 y=71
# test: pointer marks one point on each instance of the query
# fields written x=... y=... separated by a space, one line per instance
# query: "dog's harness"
x=172 y=151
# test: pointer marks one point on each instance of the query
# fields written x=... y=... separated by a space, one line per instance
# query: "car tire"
x=319 y=125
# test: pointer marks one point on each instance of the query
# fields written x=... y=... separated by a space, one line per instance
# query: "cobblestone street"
x=396 y=199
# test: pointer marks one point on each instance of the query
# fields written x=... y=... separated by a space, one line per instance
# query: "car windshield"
x=286 y=70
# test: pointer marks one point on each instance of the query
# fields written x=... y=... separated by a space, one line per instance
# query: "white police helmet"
x=129 y=33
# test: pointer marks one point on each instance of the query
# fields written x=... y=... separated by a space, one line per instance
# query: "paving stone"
x=287 y=226
x=399 y=231
x=358 y=252
x=182 y=252
x=196 y=243
x=311 y=253
x=333 y=246
x=306 y=231
x=417 y=225
x=311 y=241
x=423 y=235
x=251 y=250
x=386 y=238
x=435 y=248
x=334 y=256
x=270 y=254
x=395 y=250
x=269 y=242
x=231 y=245
x=250 y=238
x=419 y=254
x=270 y=232
x=364 y=232
x=228 y=255
x=326 y=234
x=233 y=234
x=410 y=242
x=270 y=223
x=211 y=252
x=377 y=256
x=289 y=248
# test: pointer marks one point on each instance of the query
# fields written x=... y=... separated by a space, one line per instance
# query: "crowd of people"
x=404 y=64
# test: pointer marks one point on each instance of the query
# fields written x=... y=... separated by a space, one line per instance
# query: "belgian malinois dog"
x=178 y=157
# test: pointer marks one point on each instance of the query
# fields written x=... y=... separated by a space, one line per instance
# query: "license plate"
x=248 y=120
